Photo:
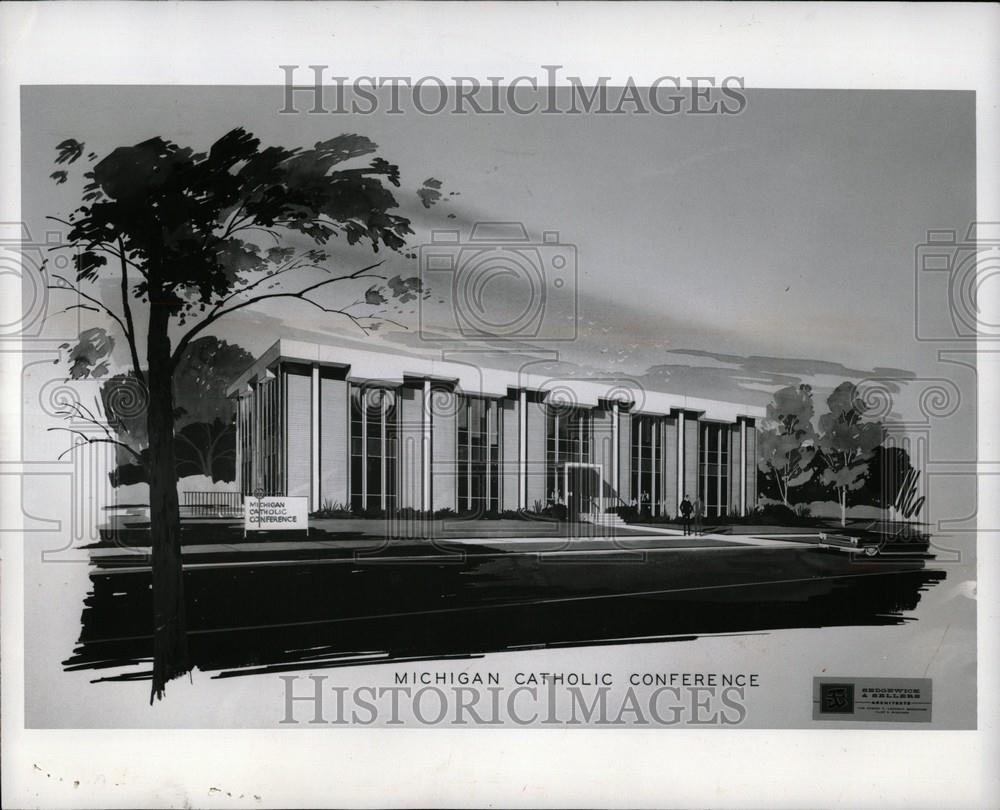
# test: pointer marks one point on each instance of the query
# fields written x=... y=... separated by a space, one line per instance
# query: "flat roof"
x=474 y=380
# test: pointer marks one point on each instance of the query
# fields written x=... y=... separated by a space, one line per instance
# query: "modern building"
x=383 y=431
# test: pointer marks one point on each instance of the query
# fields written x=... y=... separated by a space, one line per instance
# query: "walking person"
x=698 y=509
x=686 y=508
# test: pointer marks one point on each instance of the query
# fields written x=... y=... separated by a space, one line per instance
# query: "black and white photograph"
x=368 y=400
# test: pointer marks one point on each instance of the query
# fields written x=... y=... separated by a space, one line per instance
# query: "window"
x=262 y=466
x=478 y=455
x=243 y=413
x=568 y=439
x=647 y=462
x=373 y=448
x=713 y=478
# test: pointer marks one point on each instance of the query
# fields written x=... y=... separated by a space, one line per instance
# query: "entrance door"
x=583 y=490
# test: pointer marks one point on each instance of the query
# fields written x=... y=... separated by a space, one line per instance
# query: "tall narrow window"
x=373 y=448
x=478 y=455
x=647 y=454
x=568 y=441
x=247 y=442
x=713 y=478
x=263 y=467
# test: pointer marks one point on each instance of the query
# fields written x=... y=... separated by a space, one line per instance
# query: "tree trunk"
x=170 y=648
x=843 y=507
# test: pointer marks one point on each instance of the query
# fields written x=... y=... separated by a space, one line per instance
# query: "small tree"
x=847 y=442
x=786 y=441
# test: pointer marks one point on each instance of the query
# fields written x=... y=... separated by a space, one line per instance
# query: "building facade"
x=378 y=431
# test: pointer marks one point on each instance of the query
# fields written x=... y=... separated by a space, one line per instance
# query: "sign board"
x=273 y=513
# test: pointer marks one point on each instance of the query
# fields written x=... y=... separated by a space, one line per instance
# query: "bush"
x=775 y=513
x=626 y=513
x=333 y=509
x=556 y=511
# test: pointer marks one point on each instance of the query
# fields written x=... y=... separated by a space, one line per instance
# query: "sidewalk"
x=379 y=550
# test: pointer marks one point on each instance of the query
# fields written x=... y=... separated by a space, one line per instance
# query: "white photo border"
x=844 y=46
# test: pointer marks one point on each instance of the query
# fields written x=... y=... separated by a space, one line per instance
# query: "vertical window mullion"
x=641 y=439
x=270 y=438
x=282 y=398
x=719 y=478
x=704 y=463
x=267 y=437
x=555 y=458
x=489 y=459
x=469 y=443
x=382 y=415
x=266 y=483
x=364 y=450
x=652 y=467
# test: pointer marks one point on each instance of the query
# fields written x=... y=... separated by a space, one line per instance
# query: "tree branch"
x=201 y=465
x=218 y=313
x=284 y=268
x=93 y=440
x=89 y=417
x=381 y=318
x=127 y=310
x=96 y=244
x=237 y=218
x=78 y=306
x=70 y=287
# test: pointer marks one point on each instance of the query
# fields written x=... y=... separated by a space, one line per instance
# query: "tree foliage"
x=786 y=440
x=208 y=233
x=200 y=382
x=847 y=441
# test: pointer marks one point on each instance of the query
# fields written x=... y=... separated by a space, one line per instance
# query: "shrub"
x=557 y=511
x=907 y=504
x=775 y=513
x=333 y=509
x=626 y=513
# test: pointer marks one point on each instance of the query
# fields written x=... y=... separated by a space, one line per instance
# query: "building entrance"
x=582 y=485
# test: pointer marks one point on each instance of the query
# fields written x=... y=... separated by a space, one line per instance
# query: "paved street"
x=286 y=605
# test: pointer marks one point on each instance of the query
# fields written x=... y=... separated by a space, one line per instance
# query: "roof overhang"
x=471 y=379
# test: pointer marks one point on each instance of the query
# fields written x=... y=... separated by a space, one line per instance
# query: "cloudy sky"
x=720 y=256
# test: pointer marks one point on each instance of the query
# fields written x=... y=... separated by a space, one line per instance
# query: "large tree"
x=786 y=441
x=186 y=238
x=847 y=441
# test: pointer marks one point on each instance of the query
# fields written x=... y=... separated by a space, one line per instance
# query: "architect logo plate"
x=873 y=700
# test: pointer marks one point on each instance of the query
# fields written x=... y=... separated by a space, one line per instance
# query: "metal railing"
x=221 y=503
